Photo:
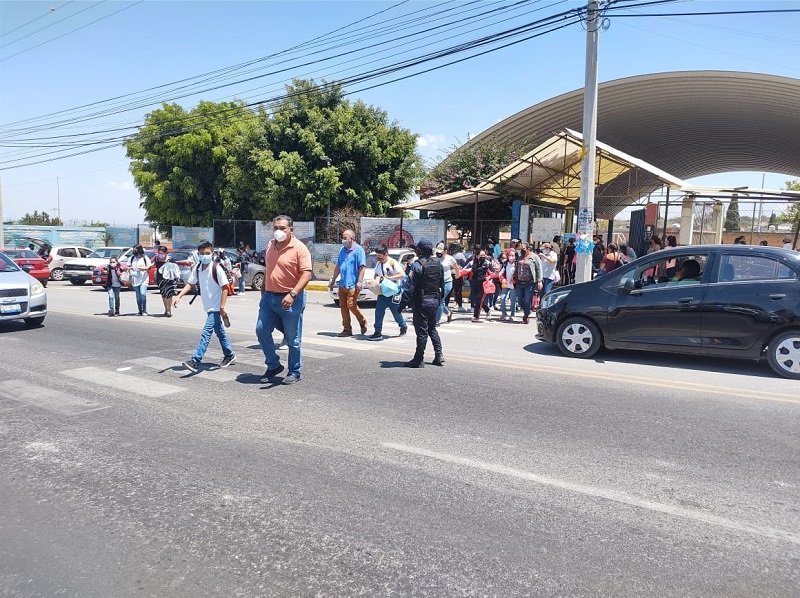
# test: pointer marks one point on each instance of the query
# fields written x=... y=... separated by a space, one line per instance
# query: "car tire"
x=578 y=337
x=34 y=322
x=77 y=281
x=258 y=281
x=57 y=274
x=783 y=354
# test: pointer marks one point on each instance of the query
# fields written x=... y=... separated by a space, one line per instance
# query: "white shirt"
x=390 y=268
x=210 y=291
x=548 y=267
x=139 y=276
x=448 y=261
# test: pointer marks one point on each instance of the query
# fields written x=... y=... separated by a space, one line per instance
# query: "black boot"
x=439 y=359
x=415 y=364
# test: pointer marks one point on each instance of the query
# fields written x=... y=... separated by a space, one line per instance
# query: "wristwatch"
x=292 y=294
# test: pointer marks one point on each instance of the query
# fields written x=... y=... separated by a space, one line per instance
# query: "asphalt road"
x=511 y=471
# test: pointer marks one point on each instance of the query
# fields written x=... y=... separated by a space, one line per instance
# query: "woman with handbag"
x=478 y=274
x=114 y=283
x=508 y=276
x=168 y=278
x=140 y=277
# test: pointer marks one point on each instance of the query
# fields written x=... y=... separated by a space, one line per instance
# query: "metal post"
x=475 y=221
x=702 y=223
x=583 y=270
x=2 y=238
x=666 y=216
x=753 y=224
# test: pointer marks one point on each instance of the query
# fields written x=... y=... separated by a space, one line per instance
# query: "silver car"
x=401 y=255
x=22 y=297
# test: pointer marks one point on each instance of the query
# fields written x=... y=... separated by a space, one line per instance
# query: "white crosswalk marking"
x=307 y=352
x=136 y=385
x=215 y=374
x=345 y=344
x=49 y=399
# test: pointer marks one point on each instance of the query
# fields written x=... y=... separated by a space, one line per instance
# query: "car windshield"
x=105 y=252
x=372 y=261
x=6 y=265
x=180 y=256
x=21 y=254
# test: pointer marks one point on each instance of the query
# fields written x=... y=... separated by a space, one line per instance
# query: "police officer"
x=426 y=287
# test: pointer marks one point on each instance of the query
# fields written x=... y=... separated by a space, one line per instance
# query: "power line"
x=75 y=14
x=709 y=13
x=32 y=21
x=71 y=32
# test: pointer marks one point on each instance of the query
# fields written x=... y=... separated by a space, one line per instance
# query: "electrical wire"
x=32 y=21
x=75 y=14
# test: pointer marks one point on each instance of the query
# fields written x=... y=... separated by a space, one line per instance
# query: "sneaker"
x=144 y=313
x=192 y=365
x=403 y=330
x=291 y=379
x=228 y=360
x=449 y=316
x=524 y=319
x=510 y=318
x=110 y=313
x=438 y=360
x=363 y=329
x=375 y=336
x=476 y=319
x=503 y=318
x=270 y=374
x=345 y=333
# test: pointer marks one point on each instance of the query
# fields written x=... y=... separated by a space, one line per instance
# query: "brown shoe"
x=363 y=329
x=344 y=333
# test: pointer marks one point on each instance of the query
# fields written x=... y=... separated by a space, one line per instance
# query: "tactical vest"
x=431 y=281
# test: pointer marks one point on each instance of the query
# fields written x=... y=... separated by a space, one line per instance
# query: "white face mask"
x=280 y=235
x=346 y=242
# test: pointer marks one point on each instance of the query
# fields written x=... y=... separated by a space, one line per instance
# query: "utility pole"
x=58 y=197
x=583 y=270
x=2 y=238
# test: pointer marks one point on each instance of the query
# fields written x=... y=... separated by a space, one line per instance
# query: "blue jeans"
x=270 y=314
x=213 y=324
x=380 y=312
x=243 y=270
x=547 y=284
x=525 y=297
x=448 y=286
x=113 y=299
x=511 y=294
x=141 y=296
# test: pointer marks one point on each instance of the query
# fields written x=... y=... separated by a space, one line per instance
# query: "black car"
x=716 y=300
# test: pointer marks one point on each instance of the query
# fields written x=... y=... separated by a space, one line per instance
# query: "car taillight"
x=184 y=263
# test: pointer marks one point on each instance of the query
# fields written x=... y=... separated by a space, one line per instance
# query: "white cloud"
x=121 y=186
x=432 y=140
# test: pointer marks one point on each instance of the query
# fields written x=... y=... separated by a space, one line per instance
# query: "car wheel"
x=783 y=354
x=578 y=337
x=258 y=281
x=34 y=322
x=57 y=274
x=77 y=281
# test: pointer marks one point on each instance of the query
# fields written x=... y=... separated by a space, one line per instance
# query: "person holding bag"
x=529 y=279
x=140 y=277
x=387 y=269
x=113 y=286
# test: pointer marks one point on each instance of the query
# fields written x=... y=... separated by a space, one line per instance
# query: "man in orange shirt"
x=283 y=298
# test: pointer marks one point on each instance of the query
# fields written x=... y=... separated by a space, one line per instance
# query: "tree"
x=732 y=220
x=465 y=167
x=40 y=219
x=773 y=220
x=178 y=161
x=284 y=162
x=95 y=224
x=792 y=214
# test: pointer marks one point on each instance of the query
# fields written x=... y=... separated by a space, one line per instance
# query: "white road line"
x=344 y=344
x=448 y=330
x=216 y=374
x=139 y=386
x=612 y=495
x=48 y=399
x=241 y=357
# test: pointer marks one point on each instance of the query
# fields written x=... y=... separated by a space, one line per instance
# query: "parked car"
x=253 y=274
x=22 y=297
x=401 y=255
x=81 y=270
x=744 y=302
x=31 y=263
x=60 y=254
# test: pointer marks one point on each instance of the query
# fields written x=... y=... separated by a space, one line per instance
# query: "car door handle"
x=777 y=296
x=686 y=300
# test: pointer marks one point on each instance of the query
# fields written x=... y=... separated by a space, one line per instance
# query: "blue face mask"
x=205 y=259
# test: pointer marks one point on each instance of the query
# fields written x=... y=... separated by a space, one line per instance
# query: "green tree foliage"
x=773 y=220
x=96 y=224
x=732 y=220
x=228 y=161
x=40 y=219
x=178 y=161
x=465 y=167
x=792 y=214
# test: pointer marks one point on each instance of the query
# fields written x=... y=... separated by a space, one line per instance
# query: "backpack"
x=229 y=285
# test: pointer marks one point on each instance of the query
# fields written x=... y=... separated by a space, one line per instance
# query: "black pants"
x=456 y=292
x=425 y=326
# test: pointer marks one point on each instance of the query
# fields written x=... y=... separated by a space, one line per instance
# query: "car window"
x=6 y=265
x=664 y=272
x=180 y=256
x=372 y=261
x=84 y=252
x=737 y=268
x=24 y=254
x=67 y=252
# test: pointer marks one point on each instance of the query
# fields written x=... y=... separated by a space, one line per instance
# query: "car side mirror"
x=631 y=285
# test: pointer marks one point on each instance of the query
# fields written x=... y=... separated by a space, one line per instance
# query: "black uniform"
x=427 y=290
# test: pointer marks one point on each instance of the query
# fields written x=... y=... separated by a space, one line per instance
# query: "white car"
x=22 y=297
x=61 y=254
x=80 y=271
x=401 y=255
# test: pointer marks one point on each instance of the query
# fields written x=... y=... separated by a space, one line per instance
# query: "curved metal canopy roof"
x=689 y=123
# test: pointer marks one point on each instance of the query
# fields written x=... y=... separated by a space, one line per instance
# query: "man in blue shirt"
x=350 y=264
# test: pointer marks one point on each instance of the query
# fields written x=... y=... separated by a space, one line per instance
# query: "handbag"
x=124 y=277
x=488 y=286
x=556 y=277
x=389 y=288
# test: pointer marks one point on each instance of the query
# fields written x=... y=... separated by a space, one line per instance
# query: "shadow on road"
x=393 y=364
x=664 y=360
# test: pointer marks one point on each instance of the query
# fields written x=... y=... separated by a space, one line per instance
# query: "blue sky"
x=153 y=42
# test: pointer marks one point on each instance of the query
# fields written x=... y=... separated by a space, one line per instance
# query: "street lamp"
x=328 y=160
